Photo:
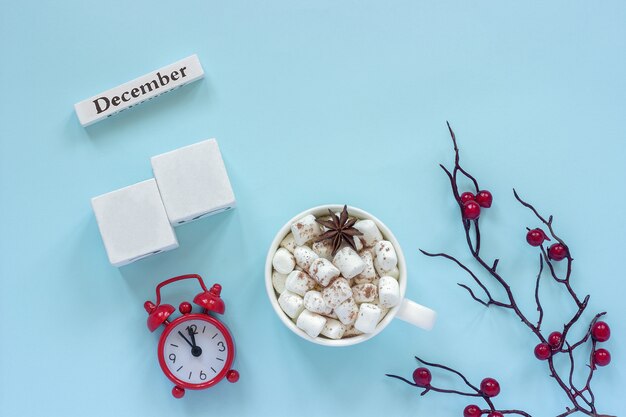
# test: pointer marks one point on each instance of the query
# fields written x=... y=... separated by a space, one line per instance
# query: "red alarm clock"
x=196 y=350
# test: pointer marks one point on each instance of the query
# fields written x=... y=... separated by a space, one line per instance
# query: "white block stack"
x=190 y=183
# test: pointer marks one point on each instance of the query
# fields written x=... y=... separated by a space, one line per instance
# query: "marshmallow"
x=283 y=261
x=358 y=244
x=368 y=317
x=311 y=323
x=288 y=243
x=304 y=257
x=347 y=311
x=369 y=273
x=323 y=271
x=336 y=293
x=384 y=310
x=349 y=262
x=389 y=292
x=299 y=282
x=278 y=281
x=314 y=302
x=365 y=293
x=386 y=258
x=371 y=234
x=333 y=329
x=324 y=249
x=305 y=229
x=331 y=315
x=292 y=304
x=395 y=273
x=351 y=331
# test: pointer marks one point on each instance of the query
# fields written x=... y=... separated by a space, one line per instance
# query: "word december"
x=136 y=92
x=148 y=86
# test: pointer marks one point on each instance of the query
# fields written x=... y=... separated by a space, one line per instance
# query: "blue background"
x=312 y=102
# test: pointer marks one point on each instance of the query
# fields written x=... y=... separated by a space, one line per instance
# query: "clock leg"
x=232 y=376
x=178 y=392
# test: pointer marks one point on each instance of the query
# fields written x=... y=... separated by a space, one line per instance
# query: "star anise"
x=340 y=229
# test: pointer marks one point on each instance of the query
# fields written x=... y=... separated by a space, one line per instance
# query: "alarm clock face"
x=196 y=351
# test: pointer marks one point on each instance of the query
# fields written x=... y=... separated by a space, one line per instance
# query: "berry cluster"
x=600 y=332
x=472 y=203
x=581 y=399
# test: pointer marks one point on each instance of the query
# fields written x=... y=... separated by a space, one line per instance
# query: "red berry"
x=601 y=357
x=543 y=351
x=484 y=198
x=555 y=339
x=536 y=237
x=472 y=411
x=467 y=196
x=557 y=252
x=490 y=387
x=495 y=414
x=601 y=331
x=471 y=210
x=422 y=377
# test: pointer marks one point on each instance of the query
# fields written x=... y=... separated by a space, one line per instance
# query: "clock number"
x=172 y=357
x=221 y=345
x=202 y=375
x=193 y=328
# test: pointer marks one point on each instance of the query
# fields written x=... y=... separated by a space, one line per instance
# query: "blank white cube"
x=193 y=182
x=133 y=223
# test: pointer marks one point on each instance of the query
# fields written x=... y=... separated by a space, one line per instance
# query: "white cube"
x=311 y=323
x=193 y=182
x=333 y=329
x=368 y=318
x=133 y=223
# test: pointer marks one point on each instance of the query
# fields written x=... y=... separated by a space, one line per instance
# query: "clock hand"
x=186 y=340
x=192 y=334
x=195 y=349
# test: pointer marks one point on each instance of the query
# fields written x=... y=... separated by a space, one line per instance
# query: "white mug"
x=406 y=310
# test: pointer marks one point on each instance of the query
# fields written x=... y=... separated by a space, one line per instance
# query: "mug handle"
x=416 y=314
